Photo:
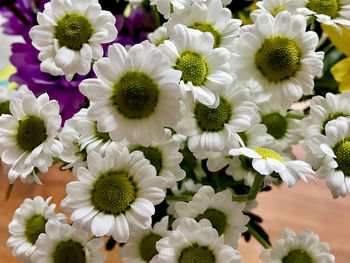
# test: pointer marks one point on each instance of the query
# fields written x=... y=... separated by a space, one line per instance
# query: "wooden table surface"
x=305 y=206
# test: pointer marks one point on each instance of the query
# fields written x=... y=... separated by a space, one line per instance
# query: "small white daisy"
x=194 y=242
x=209 y=17
x=6 y=96
x=272 y=7
x=27 y=137
x=165 y=157
x=28 y=223
x=303 y=247
x=331 y=12
x=224 y=215
x=70 y=34
x=141 y=247
x=64 y=243
x=280 y=55
x=166 y=7
x=335 y=147
x=158 y=36
x=205 y=71
x=269 y=162
x=213 y=129
x=116 y=194
x=135 y=95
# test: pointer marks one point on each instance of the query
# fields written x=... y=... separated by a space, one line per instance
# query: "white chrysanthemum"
x=27 y=137
x=331 y=12
x=213 y=129
x=6 y=96
x=284 y=129
x=165 y=7
x=209 y=17
x=303 y=247
x=205 y=72
x=64 y=243
x=135 y=95
x=116 y=194
x=165 y=157
x=280 y=55
x=141 y=247
x=224 y=215
x=334 y=150
x=70 y=34
x=270 y=163
x=272 y=7
x=158 y=36
x=194 y=242
x=28 y=223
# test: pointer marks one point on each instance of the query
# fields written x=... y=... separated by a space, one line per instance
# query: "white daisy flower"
x=213 y=129
x=115 y=194
x=194 y=242
x=209 y=17
x=335 y=147
x=331 y=12
x=64 y=243
x=135 y=95
x=28 y=223
x=6 y=96
x=165 y=157
x=141 y=247
x=70 y=34
x=270 y=163
x=205 y=72
x=165 y=7
x=303 y=247
x=272 y=7
x=224 y=215
x=280 y=55
x=28 y=136
x=158 y=36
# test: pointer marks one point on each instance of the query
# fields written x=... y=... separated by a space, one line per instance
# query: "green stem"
x=156 y=15
x=258 y=237
x=295 y=116
x=185 y=198
x=256 y=187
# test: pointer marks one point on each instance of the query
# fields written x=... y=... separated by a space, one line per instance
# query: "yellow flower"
x=341 y=70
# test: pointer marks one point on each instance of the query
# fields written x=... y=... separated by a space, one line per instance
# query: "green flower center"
x=193 y=66
x=217 y=219
x=196 y=254
x=330 y=117
x=275 y=12
x=34 y=227
x=153 y=154
x=69 y=251
x=147 y=246
x=135 y=95
x=72 y=31
x=267 y=153
x=5 y=107
x=113 y=192
x=276 y=124
x=278 y=58
x=213 y=120
x=104 y=136
x=325 y=7
x=31 y=132
x=297 y=256
x=342 y=152
x=204 y=27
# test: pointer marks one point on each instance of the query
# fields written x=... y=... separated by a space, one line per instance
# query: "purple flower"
x=25 y=59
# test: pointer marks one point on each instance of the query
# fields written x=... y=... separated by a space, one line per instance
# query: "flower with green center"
x=267 y=153
x=152 y=154
x=205 y=70
x=272 y=7
x=137 y=91
x=72 y=31
x=225 y=216
x=135 y=95
x=31 y=132
x=118 y=191
x=278 y=59
x=64 y=243
x=342 y=152
x=69 y=35
x=325 y=7
x=276 y=124
x=302 y=247
x=330 y=117
x=279 y=56
x=205 y=27
x=192 y=247
x=104 y=136
x=28 y=223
